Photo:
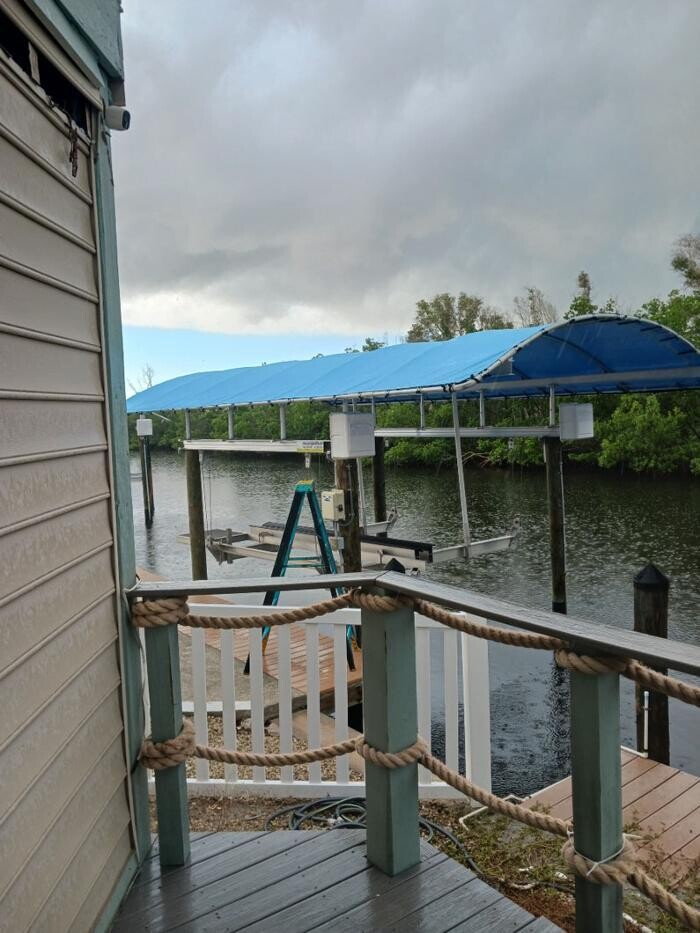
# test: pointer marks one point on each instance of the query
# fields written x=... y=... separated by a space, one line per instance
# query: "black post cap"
x=651 y=578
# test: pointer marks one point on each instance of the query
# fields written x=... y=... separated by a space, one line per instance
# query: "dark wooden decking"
x=301 y=881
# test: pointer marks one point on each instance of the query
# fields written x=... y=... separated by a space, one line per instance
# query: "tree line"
x=653 y=433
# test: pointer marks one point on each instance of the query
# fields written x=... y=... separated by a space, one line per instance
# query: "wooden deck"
x=300 y=881
x=662 y=805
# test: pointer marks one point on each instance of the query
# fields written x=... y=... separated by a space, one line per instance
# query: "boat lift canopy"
x=600 y=353
x=592 y=354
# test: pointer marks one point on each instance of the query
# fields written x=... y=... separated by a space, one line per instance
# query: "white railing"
x=465 y=683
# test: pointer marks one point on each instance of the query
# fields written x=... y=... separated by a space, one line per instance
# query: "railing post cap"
x=651 y=578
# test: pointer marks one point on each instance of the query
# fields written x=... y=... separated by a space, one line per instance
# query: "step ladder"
x=324 y=562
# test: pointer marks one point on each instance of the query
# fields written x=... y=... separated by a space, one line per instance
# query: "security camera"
x=117 y=118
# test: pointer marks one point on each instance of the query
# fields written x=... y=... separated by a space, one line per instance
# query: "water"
x=615 y=525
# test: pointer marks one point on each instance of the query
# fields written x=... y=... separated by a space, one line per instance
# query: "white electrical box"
x=575 y=422
x=144 y=427
x=352 y=435
x=333 y=505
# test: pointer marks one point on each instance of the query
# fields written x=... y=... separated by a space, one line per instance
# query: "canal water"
x=615 y=525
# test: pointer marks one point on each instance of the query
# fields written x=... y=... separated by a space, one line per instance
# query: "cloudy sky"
x=300 y=172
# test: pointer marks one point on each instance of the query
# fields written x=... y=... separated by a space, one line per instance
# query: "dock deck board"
x=298 y=655
x=299 y=881
x=662 y=803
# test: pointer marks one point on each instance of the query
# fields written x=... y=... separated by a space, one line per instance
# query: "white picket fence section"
x=461 y=654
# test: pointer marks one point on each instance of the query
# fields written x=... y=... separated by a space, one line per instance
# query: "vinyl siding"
x=64 y=816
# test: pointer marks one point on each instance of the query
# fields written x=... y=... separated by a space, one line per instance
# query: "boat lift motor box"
x=144 y=427
x=575 y=421
x=333 y=505
x=352 y=435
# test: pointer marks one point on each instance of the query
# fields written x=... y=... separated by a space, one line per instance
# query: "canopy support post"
x=557 y=524
x=231 y=422
x=460 y=475
x=283 y=422
x=346 y=479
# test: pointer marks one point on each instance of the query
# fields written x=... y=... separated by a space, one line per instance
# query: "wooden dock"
x=298 y=656
x=298 y=663
x=661 y=807
x=322 y=881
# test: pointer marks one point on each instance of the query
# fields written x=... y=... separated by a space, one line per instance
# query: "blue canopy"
x=598 y=353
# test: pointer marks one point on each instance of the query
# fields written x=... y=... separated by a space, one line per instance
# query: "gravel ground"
x=272 y=744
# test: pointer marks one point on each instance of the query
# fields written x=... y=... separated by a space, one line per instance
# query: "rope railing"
x=623 y=867
x=175 y=611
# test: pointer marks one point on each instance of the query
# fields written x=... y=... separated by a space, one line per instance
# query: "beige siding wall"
x=64 y=815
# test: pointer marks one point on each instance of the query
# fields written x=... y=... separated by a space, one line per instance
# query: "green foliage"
x=686 y=260
x=446 y=316
x=679 y=312
x=582 y=303
x=372 y=344
x=643 y=437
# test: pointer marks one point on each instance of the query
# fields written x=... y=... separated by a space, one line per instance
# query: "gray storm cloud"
x=304 y=165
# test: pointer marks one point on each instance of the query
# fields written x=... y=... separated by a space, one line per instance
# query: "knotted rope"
x=617 y=870
x=171 y=611
x=170 y=752
x=643 y=675
x=624 y=867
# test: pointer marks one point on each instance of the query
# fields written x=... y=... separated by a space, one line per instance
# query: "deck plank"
x=663 y=802
x=298 y=881
x=659 y=797
x=283 y=859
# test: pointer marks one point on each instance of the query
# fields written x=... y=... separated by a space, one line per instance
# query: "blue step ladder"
x=324 y=562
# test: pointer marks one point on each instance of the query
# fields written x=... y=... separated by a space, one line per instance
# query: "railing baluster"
x=477 y=710
x=423 y=684
x=450 y=645
x=391 y=724
x=257 y=700
x=597 y=794
x=163 y=659
x=284 y=697
x=199 y=696
x=228 y=700
x=313 y=697
x=340 y=684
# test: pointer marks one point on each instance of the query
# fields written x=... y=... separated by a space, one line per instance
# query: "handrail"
x=165 y=589
x=592 y=636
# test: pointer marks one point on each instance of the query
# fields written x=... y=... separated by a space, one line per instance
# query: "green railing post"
x=163 y=660
x=391 y=724
x=597 y=794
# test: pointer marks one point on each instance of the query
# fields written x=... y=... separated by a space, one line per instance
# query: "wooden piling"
x=146 y=480
x=149 y=479
x=379 y=475
x=651 y=617
x=346 y=479
x=195 y=513
x=557 y=528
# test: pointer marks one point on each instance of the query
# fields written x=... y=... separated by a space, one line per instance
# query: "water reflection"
x=614 y=526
